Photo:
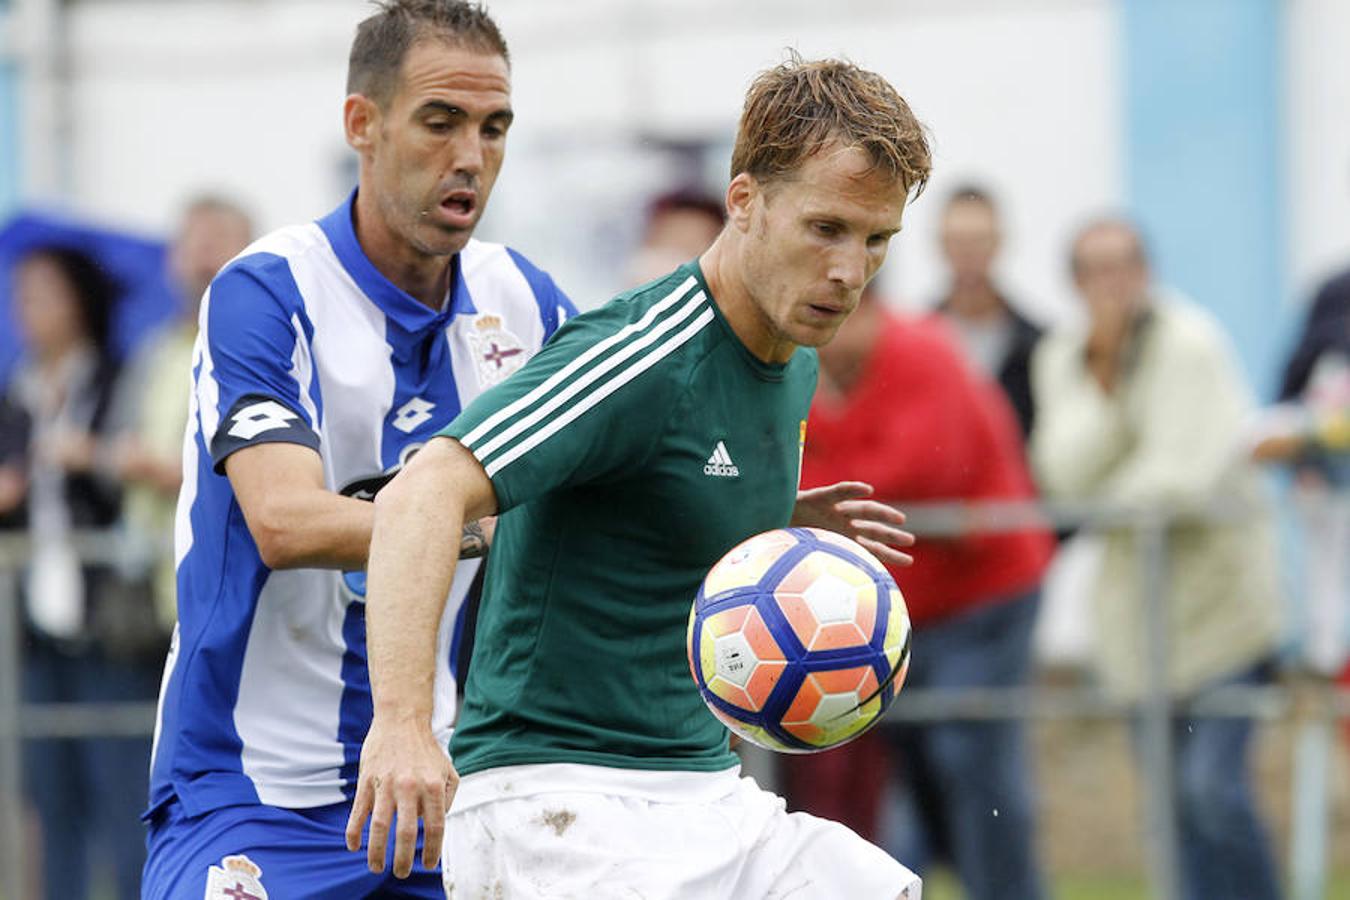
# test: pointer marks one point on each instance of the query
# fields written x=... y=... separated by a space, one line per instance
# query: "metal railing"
x=20 y=721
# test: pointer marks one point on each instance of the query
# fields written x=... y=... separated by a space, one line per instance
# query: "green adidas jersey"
x=633 y=451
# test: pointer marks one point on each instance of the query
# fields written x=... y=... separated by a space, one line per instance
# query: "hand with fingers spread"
x=844 y=508
x=405 y=776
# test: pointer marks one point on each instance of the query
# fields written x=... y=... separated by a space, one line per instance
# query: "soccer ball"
x=798 y=639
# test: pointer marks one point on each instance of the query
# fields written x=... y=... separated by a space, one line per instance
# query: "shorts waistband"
x=655 y=786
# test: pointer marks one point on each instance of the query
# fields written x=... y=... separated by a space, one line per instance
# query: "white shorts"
x=576 y=831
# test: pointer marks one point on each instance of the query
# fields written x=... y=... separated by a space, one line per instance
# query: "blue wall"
x=1203 y=160
x=9 y=138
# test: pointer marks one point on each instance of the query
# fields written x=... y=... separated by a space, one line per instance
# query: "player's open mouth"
x=460 y=206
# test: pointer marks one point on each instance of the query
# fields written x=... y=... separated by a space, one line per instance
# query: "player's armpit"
x=294 y=519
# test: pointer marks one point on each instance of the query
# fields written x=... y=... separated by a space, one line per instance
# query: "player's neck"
x=726 y=281
x=424 y=278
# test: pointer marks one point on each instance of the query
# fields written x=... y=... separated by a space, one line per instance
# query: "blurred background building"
x=1212 y=120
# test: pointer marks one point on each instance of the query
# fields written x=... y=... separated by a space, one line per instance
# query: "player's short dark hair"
x=209 y=202
x=970 y=192
x=383 y=40
x=687 y=200
x=793 y=110
x=1108 y=222
x=96 y=291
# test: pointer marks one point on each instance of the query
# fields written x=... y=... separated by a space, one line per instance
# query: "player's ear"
x=741 y=196
x=360 y=120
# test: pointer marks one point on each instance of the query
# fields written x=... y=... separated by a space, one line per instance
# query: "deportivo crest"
x=236 y=878
x=496 y=352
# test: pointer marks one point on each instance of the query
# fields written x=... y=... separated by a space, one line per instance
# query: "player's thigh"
x=251 y=851
x=803 y=857
x=592 y=846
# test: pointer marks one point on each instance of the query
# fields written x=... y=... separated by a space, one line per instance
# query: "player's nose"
x=848 y=268
x=468 y=155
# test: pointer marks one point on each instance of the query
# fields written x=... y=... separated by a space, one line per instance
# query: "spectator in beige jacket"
x=152 y=402
x=1145 y=408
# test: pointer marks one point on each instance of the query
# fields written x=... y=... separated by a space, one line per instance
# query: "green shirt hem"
x=535 y=756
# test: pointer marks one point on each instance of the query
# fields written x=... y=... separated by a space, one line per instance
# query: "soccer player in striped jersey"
x=328 y=354
x=642 y=443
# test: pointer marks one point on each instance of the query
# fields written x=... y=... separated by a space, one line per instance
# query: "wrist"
x=402 y=716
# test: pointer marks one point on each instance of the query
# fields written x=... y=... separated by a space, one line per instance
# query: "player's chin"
x=815 y=335
x=445 y=240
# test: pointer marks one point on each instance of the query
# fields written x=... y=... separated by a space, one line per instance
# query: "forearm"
x=313 y=529
x=410 y=570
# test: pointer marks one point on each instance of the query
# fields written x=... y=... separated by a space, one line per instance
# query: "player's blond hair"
x=795 y=109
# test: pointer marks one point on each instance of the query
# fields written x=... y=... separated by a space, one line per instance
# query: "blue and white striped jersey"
x=266 y=697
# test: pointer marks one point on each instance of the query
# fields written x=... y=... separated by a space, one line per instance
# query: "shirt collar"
x=397 y=305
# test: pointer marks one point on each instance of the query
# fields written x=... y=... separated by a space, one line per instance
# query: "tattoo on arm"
x=473 y=543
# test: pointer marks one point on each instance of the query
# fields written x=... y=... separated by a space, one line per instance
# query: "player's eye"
x=825 y=229
x=438 y=126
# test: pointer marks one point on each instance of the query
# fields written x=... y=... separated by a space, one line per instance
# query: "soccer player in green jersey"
x=644 y=441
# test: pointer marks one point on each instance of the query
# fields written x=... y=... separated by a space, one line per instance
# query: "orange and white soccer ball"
x=799 y=639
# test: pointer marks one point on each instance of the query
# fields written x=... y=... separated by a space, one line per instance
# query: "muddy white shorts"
x=576 y=831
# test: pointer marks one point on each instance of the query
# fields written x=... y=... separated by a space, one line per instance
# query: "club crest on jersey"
x=496 y=352
x=719 y=465
x=236 y=878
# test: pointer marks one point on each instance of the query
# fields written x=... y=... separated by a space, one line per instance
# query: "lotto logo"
x=253 y=420
x=411 y=414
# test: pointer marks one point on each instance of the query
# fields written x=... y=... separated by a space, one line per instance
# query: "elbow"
x=391 y=495
x=276 y=537
x=274 y=554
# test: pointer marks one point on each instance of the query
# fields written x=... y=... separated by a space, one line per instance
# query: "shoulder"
x=654 y=331
x=930 y=333
x=1184 y=327
x=928 y=341
x=1058 y=348
x=268 y=266
x=278 y=249
x=498 y=275
x=1332 y=298
x=1026 y=330
x=649 y=311
x=485 y=259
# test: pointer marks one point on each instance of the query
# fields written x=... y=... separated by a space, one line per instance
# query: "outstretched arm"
x=844 y=508
x=298 y=523
x=404 y=770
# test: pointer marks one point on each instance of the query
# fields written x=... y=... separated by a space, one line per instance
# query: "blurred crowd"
x=1141 y=407
x=93 y=443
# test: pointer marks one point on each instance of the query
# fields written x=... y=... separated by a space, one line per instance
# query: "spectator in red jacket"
x=899 y=407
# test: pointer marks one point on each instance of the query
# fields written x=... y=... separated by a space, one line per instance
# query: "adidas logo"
x=720 y=464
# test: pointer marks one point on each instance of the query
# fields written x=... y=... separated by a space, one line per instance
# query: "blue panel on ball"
x=738 y=713
x=780 y=698
x=741 y=596
x=883 y=613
